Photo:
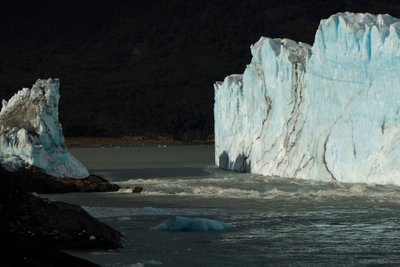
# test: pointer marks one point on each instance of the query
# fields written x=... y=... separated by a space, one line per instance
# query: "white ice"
x=330 y=111
x=31 y=135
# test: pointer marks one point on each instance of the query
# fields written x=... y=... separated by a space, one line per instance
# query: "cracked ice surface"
x=31 y=135
x=326 y=112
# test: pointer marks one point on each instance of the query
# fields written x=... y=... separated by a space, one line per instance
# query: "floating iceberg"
x=180 y=223
x=31 y=135
x=330 y=111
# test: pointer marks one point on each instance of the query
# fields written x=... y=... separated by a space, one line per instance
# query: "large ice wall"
x=31 y=135
x=326 y=112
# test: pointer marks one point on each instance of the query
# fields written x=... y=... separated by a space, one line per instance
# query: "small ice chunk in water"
x=180 y=223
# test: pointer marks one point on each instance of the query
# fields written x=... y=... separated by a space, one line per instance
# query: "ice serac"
x=326 y=112
x=31 y=135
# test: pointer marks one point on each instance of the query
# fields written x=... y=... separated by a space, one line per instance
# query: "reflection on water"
x=277 y=221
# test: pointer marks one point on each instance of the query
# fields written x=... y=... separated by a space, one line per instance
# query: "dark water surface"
x=121 y=163
x=277 y=221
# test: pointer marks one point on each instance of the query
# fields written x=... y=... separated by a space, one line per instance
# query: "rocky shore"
x=35 y=160
x=132 y=141
x=33 y=180
x=33 y=228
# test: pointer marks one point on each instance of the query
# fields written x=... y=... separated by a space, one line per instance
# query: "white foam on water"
x=241 y=186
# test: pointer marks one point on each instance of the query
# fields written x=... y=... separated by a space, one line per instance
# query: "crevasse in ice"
x=330 y=111
x=31 y=135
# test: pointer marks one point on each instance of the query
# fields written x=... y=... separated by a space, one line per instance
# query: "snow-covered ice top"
x=31 y=135
x=330 y=111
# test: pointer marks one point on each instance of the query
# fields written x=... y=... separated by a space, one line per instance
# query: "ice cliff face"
x=31 y=135
x=326 y=112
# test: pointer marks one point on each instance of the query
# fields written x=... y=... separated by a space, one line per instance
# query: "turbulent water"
x=277 y=221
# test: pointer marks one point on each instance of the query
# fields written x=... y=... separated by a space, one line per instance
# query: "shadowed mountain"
x=147 y=67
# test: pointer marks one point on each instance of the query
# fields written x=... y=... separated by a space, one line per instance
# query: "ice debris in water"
x=180 y=223
x=31 y=135
x=330 y=111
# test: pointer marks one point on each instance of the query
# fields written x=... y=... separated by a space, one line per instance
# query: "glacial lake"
x=276 y=221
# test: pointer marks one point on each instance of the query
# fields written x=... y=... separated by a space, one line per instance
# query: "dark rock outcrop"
x=58 y=224
x=20 y=251
x=33 y=180
x=32 y=228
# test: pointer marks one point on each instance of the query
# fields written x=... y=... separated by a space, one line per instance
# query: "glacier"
x=31 y=134
x=329 y=112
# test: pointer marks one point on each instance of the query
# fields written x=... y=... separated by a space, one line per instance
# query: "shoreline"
x=130 y=141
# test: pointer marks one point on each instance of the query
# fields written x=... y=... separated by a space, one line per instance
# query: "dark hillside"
x=147 y=67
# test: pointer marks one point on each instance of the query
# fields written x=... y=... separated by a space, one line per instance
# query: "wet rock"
x=54 y=224
x=21 y=251
x=136 y=189
x=33 y=180
x=58 y=224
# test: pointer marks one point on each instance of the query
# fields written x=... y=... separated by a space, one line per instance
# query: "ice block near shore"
x=31 y=134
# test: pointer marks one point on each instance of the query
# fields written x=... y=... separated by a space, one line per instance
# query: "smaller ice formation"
x=186 y=224
x=31 y=135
